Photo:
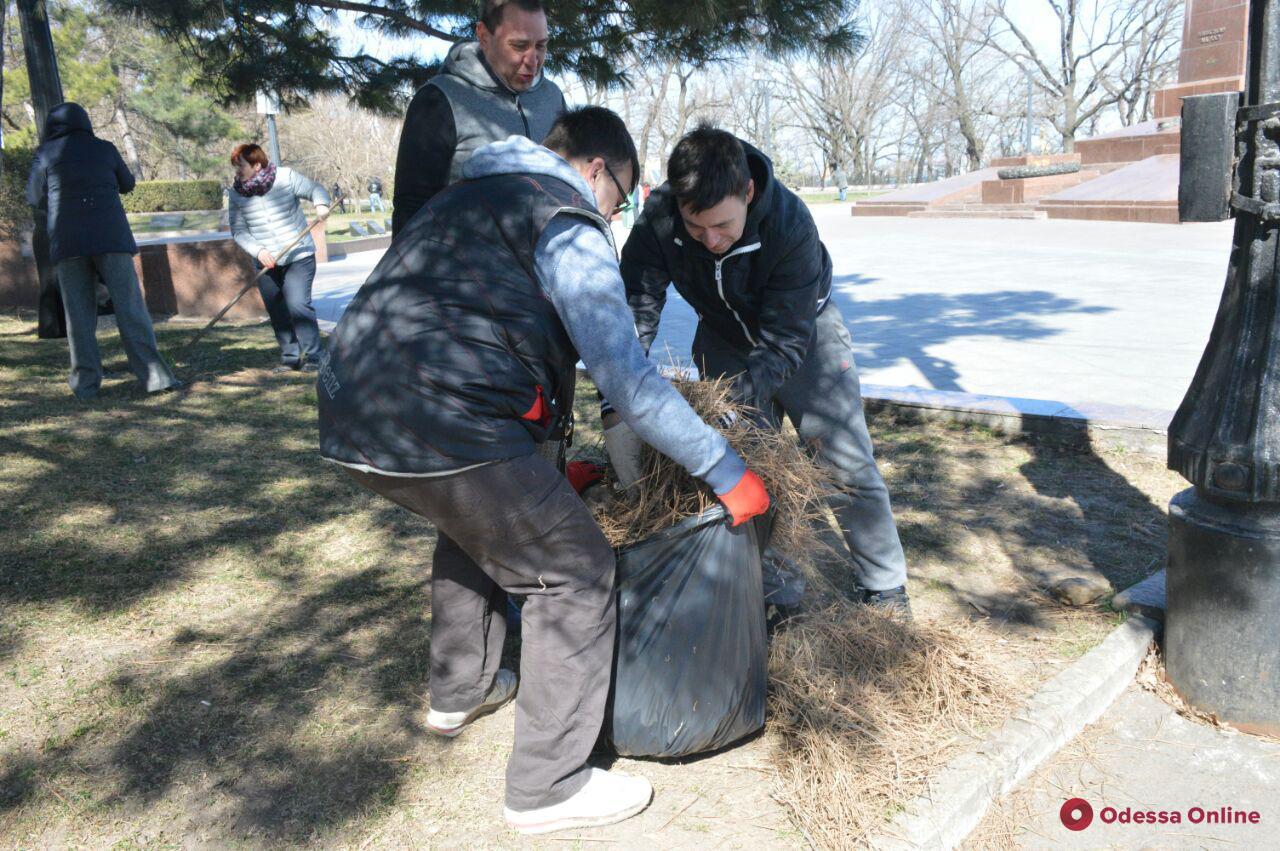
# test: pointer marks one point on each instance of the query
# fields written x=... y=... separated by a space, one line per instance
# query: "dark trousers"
x=823 y=400
x=286 y=291
x=518 y=526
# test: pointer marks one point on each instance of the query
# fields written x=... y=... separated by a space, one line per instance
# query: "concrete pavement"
x=1096 y=316
x=1142 y=757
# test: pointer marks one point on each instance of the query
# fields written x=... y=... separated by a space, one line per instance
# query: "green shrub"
x=167 y=196
x=15 y=215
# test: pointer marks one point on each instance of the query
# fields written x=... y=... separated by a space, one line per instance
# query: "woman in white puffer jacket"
x=266 y=216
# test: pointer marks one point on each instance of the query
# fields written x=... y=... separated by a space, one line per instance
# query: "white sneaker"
x=450 y=724
x=608 y=797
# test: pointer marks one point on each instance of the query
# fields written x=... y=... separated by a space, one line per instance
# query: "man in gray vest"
x=488 y=89
x=449 y=369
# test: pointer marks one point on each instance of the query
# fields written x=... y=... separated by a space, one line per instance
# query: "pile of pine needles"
x=864 y=706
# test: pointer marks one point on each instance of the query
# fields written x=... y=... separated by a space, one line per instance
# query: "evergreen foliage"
x=291 y=48
x=167 y=196
x=15 y=166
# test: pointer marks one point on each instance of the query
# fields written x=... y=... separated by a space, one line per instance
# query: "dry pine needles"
x=665 y=494
x=864 y=706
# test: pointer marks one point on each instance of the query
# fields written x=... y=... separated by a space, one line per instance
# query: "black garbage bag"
x=690 y=667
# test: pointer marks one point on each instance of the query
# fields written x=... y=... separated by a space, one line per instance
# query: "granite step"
x=978 y=213
x=978 y=205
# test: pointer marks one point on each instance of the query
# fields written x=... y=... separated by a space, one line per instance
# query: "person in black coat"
x=75 y=185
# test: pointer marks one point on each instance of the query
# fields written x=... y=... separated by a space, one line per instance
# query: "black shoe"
x=892 y=601
x=284 y=367
x=310 y=366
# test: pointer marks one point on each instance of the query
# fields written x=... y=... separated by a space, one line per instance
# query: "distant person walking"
x=265 y=218
x=75 y=183
x=339 y=197
x=842 y=182
x=375 y=196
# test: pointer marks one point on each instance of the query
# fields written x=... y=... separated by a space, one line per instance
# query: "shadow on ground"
x=992 y=522
x=250 y=628
x=906 y=328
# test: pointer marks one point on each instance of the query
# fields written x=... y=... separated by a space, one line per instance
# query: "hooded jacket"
x=761 y=296
x=76 y=180
x=461 y=109
x=435 y=366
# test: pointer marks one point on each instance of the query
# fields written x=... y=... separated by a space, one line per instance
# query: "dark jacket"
x=451 y=354
x=762 y=295
x=463 y=108
x=76 y=180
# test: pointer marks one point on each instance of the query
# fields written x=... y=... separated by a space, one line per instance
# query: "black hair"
x=707 y=166
x=594 y=131
x=491 y=11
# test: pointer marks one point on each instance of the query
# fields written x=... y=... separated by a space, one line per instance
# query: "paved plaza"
x=1142 y=756
x=1100 y=316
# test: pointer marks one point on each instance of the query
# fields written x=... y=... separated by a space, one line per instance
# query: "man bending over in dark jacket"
x=743 y=250
x=450 y=367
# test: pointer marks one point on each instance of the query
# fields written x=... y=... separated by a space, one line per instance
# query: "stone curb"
x=962 y=792
x=1147 y=598
x=1080 y=427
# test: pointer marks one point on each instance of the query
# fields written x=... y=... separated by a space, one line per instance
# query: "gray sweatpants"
x=823 y=400
x=77 y=278
x=518 y=526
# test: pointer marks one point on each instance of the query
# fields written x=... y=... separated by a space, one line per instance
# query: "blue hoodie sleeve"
x=578 y=271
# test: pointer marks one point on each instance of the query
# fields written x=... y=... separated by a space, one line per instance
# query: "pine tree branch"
x=381 y=12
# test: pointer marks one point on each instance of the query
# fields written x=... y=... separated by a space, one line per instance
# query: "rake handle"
x=252 y=283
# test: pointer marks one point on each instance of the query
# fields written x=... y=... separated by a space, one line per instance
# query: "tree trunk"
x=130 y=149
x=1070 y=111
x=4 y=7
x=972 y=147
x=685 y=111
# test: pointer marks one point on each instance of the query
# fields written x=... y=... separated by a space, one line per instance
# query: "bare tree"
x=1090 y=72
x=959 y=34
x=845 y=105
x=662 y=100
x=336 y=141
x=1150 y=62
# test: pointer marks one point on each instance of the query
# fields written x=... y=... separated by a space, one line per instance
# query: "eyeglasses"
x=625 y=203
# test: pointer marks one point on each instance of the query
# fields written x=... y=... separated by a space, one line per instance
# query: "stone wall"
x=191 y=276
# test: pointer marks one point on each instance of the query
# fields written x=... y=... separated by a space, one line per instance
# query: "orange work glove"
x=747 y=499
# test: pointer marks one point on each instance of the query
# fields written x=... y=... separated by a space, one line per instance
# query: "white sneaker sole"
x=578 y=822
x=479 y=712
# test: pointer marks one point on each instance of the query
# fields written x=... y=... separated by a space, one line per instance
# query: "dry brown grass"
x=666 y=493
x=864 y=706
